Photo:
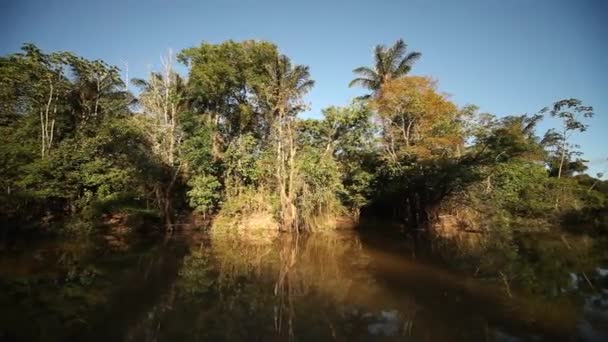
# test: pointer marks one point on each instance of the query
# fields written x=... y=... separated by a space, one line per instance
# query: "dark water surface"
x=345 y=286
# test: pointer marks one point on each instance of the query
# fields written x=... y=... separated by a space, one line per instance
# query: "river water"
x=345 y=286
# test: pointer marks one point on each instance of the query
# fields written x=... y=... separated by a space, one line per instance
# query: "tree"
x=283 y=99
x=163 y=99
x=344 y=136
x=200 y=166
x=571 y=112
x=97 y=91
x=65 y=91
x=225 y=82
x=56 y=108
x=416 y=119
x=343 y=130
x=508 y=138
x=46 y=91
x=390 y=63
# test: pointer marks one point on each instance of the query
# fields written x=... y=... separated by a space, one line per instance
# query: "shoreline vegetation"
x=222 y=146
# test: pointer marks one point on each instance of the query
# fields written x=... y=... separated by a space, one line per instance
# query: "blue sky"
x=506 y=56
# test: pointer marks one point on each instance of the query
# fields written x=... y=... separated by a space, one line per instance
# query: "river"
x=345 y=285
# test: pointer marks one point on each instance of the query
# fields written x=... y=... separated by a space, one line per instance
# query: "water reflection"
x=264 y=286
x=334 y=286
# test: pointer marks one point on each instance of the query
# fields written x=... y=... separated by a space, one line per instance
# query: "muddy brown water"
x=345 y=286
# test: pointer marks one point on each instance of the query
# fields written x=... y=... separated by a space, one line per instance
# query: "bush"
x=204 y=194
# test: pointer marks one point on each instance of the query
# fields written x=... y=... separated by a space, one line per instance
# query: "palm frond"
x=366 y=72
x=395 y=54
x=139 y=82
x=365 y=83
x=363 y=97
x=389 y=63
x=379 y=57
x=405 y=65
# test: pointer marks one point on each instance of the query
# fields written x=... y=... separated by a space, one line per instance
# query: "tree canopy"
x=225 y=142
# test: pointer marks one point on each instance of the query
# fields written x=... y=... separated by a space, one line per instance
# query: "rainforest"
x=198 y=204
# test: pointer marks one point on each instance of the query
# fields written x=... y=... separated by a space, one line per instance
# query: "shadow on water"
x=264 y=286
x=84 y=289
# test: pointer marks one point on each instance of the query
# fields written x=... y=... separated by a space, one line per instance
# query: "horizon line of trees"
x=226 y=142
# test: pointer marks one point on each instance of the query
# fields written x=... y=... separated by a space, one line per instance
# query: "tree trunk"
x=286 y=152
x=172 y=135
x=561 y=163
x=42 y=137
x=97 y=99
x=292 y=169
x=563 y=156
x=46 y=136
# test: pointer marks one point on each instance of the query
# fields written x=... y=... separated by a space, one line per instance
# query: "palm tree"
x=288 y=84
x=390 y=63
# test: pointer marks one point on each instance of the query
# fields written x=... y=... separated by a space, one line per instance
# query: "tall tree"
x=97 y=91
x=283 y=98
x=389 y=63
x=46 y=89
x=224 y=83
x=163 y=99
x=571 y=112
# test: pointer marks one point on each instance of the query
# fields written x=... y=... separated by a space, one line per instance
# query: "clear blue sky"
x=506 y=56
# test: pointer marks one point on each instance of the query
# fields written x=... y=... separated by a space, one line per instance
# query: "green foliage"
x=561 y=154
x=521 y=188
x=204 y=193
x=227 y=139
x=197 y=147
x=344 y=137
x=93 y=153
x=319 y=176
x=511 y=137
x=241 y=165
x=224 y=80
x=87 y=172
x=202 y=167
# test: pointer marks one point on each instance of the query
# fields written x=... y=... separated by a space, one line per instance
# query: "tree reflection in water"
x=269 y=286
x=266 y=286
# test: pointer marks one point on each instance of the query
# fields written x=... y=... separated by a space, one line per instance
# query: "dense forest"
x=85 y=151
x=225 y=144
